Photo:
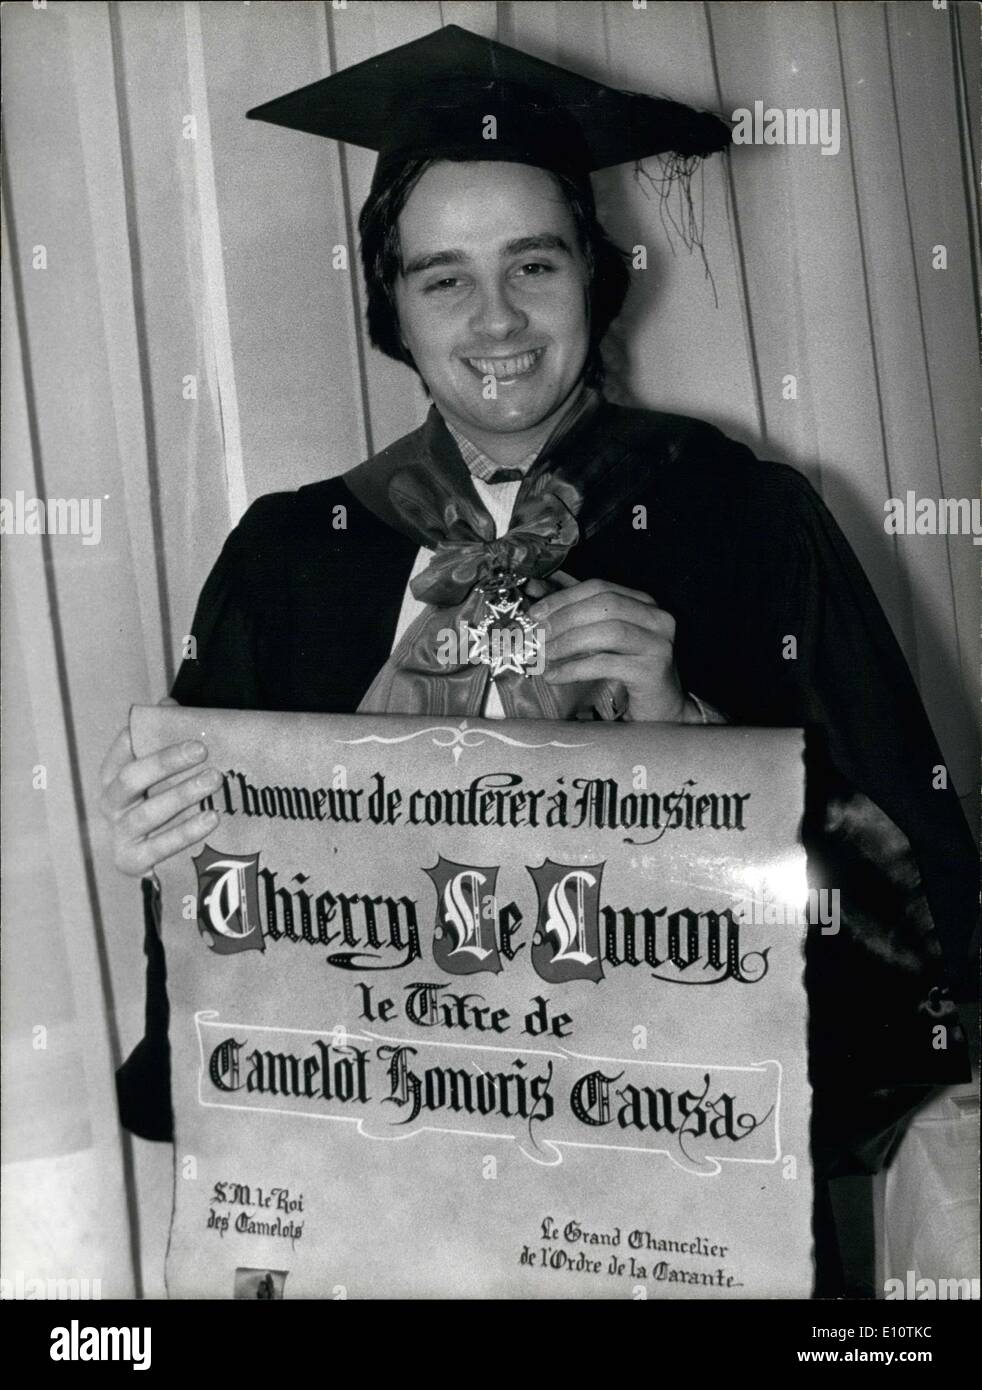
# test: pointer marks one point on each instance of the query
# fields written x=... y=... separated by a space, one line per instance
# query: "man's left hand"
x=595 y=630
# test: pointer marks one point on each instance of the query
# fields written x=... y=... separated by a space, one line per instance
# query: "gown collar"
x=607 y=453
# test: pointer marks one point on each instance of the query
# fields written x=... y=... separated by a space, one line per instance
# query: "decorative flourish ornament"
x=506 y=638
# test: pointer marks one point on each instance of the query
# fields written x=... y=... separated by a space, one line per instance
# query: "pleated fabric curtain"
x=183 y=332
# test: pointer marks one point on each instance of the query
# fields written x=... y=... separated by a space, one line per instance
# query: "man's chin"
x=502 y=416
x=511 y=422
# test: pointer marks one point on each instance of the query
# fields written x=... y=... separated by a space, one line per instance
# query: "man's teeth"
x=503 y=367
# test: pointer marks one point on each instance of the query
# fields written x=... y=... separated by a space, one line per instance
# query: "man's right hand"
x=150 y=821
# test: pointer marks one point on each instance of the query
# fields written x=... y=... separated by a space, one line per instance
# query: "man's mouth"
x=505 y=368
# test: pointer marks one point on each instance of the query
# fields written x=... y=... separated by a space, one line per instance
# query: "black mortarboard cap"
x=432 y=99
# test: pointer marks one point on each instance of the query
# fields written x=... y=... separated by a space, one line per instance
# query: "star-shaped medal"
x=505 y=639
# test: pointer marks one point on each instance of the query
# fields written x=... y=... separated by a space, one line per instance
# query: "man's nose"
x=496 y=315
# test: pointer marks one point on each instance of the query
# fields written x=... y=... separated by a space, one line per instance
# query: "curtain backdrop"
x=181 y=336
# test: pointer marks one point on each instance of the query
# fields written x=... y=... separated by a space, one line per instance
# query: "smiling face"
x=492 y=299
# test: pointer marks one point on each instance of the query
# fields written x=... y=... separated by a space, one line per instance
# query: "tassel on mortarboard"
x=672 y=186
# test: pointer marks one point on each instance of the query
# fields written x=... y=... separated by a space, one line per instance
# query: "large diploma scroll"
x=488 y=1009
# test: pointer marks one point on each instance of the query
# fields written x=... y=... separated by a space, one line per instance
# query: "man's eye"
x=533 y=269
x=448 y=282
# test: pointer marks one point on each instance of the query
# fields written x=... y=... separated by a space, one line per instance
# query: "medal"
x=506 y=638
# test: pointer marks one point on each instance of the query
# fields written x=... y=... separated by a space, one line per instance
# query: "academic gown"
x=776 y=626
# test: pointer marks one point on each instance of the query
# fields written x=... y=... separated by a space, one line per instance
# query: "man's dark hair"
x=378 y=225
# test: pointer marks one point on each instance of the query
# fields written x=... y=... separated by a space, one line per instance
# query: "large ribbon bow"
x=432 y=669
x=468 y=553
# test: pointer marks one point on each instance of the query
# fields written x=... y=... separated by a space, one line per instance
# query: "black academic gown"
x=300 y=610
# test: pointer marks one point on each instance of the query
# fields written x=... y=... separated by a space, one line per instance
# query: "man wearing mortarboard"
x=511 y=510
